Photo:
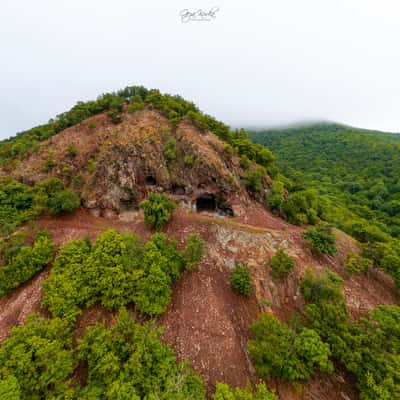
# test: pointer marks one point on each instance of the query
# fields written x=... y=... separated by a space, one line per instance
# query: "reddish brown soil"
x=207 y=324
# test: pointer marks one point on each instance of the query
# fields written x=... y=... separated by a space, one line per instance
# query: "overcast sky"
x=258 y=62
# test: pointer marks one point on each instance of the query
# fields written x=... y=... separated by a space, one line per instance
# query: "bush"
x=117 y=270
x=321 y=238
x=129 y=361
x=323 y=286
x=241 y=279
x=276 y=197
x=137 y=106
x=367 y=347
x=356 y=264
x=253 y=180
x=37 y=359
x=25 y=263
x=63 y=201
x=157 y=210
x=72 y=150
x=281 y=264
x=125 y=361
x=115 y=116
x=279 y=352
x=224 y=392
x=194 y=250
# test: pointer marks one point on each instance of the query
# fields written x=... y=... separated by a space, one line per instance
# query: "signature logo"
x=198 y=15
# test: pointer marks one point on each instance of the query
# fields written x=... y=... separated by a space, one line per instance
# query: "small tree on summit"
x=158 y=210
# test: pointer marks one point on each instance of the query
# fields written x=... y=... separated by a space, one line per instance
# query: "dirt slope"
x=207 y=323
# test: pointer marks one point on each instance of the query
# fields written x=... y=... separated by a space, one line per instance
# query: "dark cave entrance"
x=207 y=202
x=210 y=203
x=150 y=180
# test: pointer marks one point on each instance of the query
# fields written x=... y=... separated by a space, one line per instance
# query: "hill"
x=137 y=211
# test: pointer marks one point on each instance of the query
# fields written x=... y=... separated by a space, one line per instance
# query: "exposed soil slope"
x=207 y=323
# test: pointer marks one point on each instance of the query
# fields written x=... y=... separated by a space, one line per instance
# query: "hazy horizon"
x=257 y=63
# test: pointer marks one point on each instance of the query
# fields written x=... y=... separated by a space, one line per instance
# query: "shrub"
x=63 y=201
x=129 y=361
x=278 y=351
x=356 y=264
x=157 y=210
x=170 y=149
x=323 y=286
x=48 y=165
x=117 y=270
x=321 y=238
x=224 y=392
x=194 y=250
x=276 y=196
x=253 y=180
x=115 y=116
x=72 y=150
x=367 y=347
x=281 y=264
x=136 y=106
x=241 y=279
x=91 y=125
x=25 y=262
x=37 y=359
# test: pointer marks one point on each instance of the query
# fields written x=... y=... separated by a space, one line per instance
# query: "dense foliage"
x=241 y=279
x=115 y=271
x=368 y=347
x=321 y=238
x=281 y=263
x=158 y=210
x=20 y=203
x=343 y=175
x=278 y=351
x=19 y=262
x=37 y=360
x=224 y=392
x=126 y=361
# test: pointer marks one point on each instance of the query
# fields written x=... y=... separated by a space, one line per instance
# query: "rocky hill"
x=219 y=183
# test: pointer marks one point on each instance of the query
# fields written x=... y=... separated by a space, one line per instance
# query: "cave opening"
x=210 y=203
x=206 y=202
x=150 y=180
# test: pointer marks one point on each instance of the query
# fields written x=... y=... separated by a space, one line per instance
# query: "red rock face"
x=118 y=165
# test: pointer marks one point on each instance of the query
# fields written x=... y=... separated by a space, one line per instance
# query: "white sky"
x=260 y=62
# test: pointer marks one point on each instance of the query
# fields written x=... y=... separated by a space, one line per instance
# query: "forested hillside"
x=354 y=173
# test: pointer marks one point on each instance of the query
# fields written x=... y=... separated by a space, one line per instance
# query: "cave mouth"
x=210 y=203
x=150 y=180
x=206 y=202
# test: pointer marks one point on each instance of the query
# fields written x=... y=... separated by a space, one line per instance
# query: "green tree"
x=224 y=392
x=158 y=210
x=37 y=359
x=241 y=279
x=26 y=262
x=278 y=351
x=194 y=250
x=281 y=263
x=321 y=238
x=129 y=361
x=64 y=201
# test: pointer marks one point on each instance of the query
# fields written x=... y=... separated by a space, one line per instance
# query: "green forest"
x=342 y=175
